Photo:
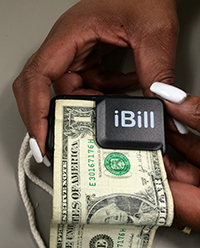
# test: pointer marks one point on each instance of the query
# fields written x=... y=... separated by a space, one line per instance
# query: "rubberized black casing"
x=135 y=123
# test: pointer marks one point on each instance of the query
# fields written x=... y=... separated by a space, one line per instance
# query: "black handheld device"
x=135 y=123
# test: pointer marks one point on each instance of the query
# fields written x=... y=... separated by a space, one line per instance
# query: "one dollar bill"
x=100 y=194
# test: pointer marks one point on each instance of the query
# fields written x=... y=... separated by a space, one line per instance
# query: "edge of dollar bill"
x=103 y=197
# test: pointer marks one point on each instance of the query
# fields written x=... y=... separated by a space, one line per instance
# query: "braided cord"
x=23 y=171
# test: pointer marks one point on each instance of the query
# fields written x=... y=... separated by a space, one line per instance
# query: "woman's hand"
x=184 y=177
x=81 y=36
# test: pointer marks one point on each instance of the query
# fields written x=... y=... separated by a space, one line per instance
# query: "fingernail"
x=168 y=92
x=46 y=161
x=37 y=153
x=180 y=127
x=35 y=150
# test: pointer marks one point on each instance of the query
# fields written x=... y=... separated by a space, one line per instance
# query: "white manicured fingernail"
x=35 y=150
x=168 y=92
x=180 y=127
x=37 y=153
x=46 y=161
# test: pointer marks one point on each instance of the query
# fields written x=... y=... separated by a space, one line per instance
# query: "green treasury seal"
x=117 y=163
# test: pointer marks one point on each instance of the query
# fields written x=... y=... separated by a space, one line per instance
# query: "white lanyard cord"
x=23 y=171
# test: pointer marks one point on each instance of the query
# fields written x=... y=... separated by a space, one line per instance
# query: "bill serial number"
x=91 y=163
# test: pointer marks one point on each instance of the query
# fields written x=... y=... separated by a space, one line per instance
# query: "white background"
x=23 y=26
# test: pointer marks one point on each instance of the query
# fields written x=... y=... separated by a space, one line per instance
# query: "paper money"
x=101 y=236
x=103 y=196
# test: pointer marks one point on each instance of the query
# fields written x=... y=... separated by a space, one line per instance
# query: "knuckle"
x=16 y=85
x=161 y=26
x=163 y=31
x=196 y=116
x=163 y=73
x=169 y=27
x=26 y=77
x=30 y=71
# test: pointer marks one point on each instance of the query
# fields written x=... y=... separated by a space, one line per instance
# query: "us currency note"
x=101 y=236
x=101 y=194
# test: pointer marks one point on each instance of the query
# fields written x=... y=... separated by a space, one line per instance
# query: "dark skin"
x=184 y=177
x=78 y=40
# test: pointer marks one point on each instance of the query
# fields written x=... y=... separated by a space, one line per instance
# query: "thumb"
x=33 y=100
x=187 y=112
x=155 y=56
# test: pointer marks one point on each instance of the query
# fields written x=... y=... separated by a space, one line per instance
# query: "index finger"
x=33 y=97
x=63 y=45
x=32 y=88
